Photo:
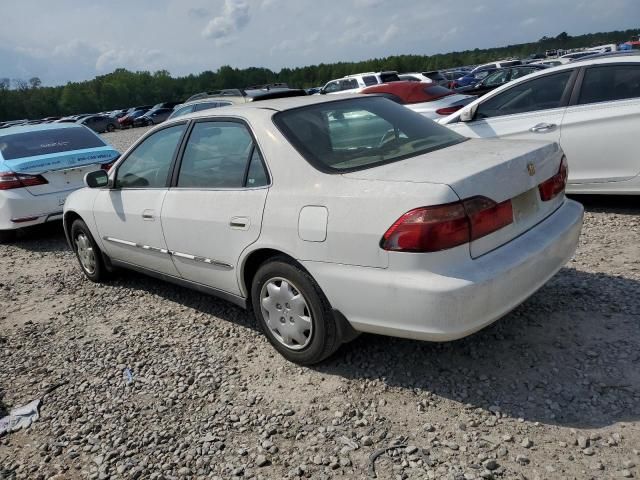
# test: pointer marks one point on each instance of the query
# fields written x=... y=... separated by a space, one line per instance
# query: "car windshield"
x=44 y=142
x=356 y=134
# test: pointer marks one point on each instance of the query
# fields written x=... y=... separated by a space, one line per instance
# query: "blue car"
x=472 y=78
x=40 y=165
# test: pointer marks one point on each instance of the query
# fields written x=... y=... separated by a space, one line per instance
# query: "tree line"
x=20 y=98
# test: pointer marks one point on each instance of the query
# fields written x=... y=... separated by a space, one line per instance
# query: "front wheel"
x=293 y=312
x=87 y=252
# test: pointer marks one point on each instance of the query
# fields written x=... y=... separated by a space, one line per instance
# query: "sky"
x=72 y=40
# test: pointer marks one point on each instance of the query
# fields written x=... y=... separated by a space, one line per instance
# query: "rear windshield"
x=437 y=91
x=44 y=142
x=357 y=134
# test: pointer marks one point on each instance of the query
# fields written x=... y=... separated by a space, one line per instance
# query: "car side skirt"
x=240 y=301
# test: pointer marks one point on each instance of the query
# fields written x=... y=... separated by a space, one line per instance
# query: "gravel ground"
x=550 y=391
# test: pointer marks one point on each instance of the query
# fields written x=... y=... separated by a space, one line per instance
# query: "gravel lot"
x=550 y=391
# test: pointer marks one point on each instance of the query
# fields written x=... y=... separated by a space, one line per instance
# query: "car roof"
x=36 y=127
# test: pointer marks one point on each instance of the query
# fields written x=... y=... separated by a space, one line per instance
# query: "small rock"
x=262 y=461
x=490 y=464
x=522 y=459
x=588 y=451
x=367 y=441
x=526 y=443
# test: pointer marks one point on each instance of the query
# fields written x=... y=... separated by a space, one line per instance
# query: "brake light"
x=448 y=110
x=107 y=166
x=10 y=180
x=549 y=189
x=487 y=216
x=431 y=229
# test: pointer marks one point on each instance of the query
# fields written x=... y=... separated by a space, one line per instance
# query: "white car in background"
x=39 y=166
x=590 y=107
x=355 y=83
x=329 y=216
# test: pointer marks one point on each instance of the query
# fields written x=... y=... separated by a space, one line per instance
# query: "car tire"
x=110 y=127
x=87 y=252
x=7 y=236
x=304 y=332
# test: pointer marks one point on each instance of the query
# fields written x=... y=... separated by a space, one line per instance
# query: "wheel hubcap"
x=286 y=313
x=86 y=254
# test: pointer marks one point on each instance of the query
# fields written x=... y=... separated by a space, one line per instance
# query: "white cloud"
x=235 y=16
x=137 y=59
x=390 y=33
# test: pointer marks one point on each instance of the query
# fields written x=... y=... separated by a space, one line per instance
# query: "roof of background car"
x=37 y=127
x=276 y=105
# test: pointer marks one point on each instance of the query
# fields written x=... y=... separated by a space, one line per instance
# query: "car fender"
x=81 y=203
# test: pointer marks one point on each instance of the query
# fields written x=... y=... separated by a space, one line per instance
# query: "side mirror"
x=468 y=114
x=96 y=179
x=322 y=91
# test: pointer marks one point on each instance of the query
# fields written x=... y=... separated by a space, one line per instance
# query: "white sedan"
x=591 y=107
x=39 y=166
x=329 y=216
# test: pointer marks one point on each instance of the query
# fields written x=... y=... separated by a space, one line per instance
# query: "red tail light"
x=107 y=166
x=448 y=110
x=431 y=229
x=487 y=216
x=10 y=180
x=549 y=189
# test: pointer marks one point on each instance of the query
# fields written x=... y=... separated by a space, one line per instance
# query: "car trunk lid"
x=63 y=171
x=500 y=170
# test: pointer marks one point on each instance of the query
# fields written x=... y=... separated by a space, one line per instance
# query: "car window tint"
x=521 y=72
x=369 y=80
x=257 y=175
x=496 y=78
x=216 y=156
x=538 y=94
x=361 y=133
x=207 y=105
x=45 y=142
x=332 y=87
x=182 y=111
x=609 y=83
x=148 y=165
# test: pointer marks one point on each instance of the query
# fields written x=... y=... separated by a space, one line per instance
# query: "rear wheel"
x=293 y=312
x=87 y=252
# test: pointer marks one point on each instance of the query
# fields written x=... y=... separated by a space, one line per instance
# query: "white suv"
x=355 y=83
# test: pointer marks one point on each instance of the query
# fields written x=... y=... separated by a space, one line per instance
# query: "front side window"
x=541 y=93
x=46 y=142
x=216 y=156
x=332 y=87
x=610 y=83
x=361 y=133
x=148 y=165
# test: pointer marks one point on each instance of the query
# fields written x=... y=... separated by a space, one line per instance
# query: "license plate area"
x=525 y=205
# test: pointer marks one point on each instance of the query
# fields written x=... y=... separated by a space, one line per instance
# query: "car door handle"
x=239 y=223
x=543 y=128
x=147 y=214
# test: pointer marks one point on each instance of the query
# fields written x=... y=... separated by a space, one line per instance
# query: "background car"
x=500 y=77
x=464 y=231
x=127 y=120
x=39 y=166
x=433 y=77
x=153 y=117
x=428 y=99
x=99 y=123
x=354 y=83
x=591 y=107
x=470 y=78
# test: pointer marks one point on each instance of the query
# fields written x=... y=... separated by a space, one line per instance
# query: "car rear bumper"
x=19 y=209
x=423 y=305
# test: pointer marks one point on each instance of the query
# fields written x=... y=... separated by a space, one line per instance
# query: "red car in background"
x=431 y=100
x=127 y=120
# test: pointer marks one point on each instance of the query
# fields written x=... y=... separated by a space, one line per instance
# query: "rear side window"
x=369 y=80
x=356 y=134
x=182 y=111
x=206 y=106
x=45 y=142
x=538 y=94
x=216 y=156
x=609 y=83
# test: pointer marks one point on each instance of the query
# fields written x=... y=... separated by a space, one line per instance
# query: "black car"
x=153 y=117
x=498 y=78
x=99 y=123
